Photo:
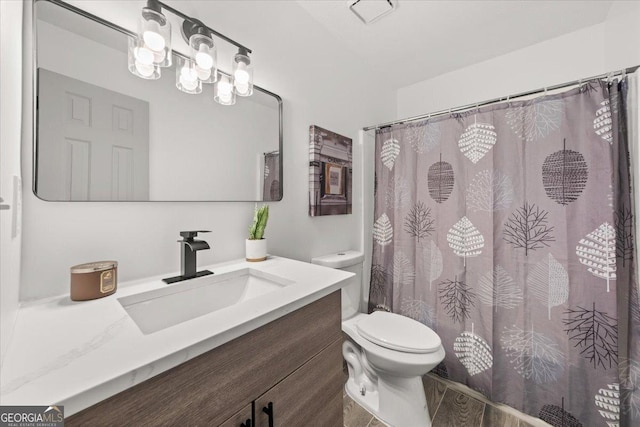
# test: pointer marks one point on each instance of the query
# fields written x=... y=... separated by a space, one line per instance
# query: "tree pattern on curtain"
x=508 y=229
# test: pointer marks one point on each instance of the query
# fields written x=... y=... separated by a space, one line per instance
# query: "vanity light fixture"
x=242 y=73
x=223 y=91
x=151 y=49
x=154 y=35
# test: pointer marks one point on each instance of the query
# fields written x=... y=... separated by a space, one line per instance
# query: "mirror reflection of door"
x=95 y=141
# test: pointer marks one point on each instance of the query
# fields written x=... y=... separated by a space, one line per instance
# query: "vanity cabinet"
x=311 y=396
x=294 y=362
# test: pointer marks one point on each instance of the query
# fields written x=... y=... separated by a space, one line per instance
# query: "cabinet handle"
x=269 y=411
x=246 y=423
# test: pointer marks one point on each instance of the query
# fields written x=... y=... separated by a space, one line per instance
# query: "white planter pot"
x=256 y=250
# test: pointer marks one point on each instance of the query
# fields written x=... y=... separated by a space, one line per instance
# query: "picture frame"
x=330 y=172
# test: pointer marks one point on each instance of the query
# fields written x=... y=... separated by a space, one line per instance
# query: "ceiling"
x=423 y=38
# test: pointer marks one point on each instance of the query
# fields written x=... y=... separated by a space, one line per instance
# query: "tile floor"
x=450 y=405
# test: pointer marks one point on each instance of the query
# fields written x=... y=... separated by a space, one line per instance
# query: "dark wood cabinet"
x=297 y=358
x=311 y=396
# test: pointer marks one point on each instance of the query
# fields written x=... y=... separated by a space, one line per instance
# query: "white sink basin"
x=182 y=301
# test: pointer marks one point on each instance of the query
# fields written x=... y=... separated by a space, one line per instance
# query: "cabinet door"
x=240 y=418
x=310 y=396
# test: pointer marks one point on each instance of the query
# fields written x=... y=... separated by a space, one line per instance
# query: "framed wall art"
x=330 y=172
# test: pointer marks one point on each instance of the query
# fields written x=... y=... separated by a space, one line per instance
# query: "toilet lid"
x=397 y=332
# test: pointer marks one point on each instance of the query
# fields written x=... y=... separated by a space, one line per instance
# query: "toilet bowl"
x=386 y=353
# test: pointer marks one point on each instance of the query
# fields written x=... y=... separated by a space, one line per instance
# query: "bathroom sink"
x=162 y=308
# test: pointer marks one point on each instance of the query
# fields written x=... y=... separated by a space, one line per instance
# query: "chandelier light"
x=150 y=50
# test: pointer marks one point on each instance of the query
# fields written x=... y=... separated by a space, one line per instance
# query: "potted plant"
x=256 y=244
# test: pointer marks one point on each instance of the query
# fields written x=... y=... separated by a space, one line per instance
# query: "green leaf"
x=260 y=217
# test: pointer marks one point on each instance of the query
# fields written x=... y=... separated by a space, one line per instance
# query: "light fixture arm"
x=193 y=26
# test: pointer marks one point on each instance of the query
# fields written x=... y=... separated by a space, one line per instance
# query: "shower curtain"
x=509 y=230
x=271 y=184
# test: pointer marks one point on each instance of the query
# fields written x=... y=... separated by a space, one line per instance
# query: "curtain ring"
x=610 y=77
x=545 y=91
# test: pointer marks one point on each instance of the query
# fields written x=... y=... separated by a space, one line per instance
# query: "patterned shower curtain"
x=271 y=185
x=509 y=230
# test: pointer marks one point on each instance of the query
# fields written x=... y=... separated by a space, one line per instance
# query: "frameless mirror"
x=104 y=134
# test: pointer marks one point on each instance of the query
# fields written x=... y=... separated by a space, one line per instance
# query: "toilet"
x=386 y=353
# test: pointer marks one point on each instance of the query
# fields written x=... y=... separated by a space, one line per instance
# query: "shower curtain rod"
x=496 y=100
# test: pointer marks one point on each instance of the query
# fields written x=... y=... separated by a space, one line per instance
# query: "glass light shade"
x=242 y=75
x=155 y=32
x=187 y=76
x=223 y=92
x=203 y=54
x=141 y=60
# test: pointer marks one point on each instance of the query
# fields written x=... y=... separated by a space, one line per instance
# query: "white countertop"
x=78 y=353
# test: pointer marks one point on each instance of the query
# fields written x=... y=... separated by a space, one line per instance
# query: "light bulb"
x=203 y=74
x=241 y=76
x=188 y=84
x=145 y=70
x=158 y=56
x=152 y=37
x=242 y=88
x=203 y=58
x=224 y=88
x=143 y=55
x=188 y=74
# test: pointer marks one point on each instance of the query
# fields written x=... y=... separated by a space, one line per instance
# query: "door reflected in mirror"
x=104 y=134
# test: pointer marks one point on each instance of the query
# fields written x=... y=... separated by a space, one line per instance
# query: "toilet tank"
x=351 y=293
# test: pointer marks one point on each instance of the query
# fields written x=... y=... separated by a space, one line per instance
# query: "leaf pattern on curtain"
x=527 y=228
x=418 y=310
x=548 y=282
x=595 y=333
x=534 y=226
x=557 y=416
x=390 y=150
x=598 y=252
x=440 y=180
x=536 y=119
x=496 y=288
x=477 y=140
x=424 y=136
x=432 y=260
x=403 y=272
x=624 y=235
x=457 y=299
x=379 y=278
x=602 y=124
x=418 y=222
x=397 y=195
x=382 y=230
x=630 y=386
x=490 y=191
x=533 y=355
x=608 y=402
x=473 y=352
x=564 y=175
x=464 y=239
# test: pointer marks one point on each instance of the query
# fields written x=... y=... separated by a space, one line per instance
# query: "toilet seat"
x=398 y=333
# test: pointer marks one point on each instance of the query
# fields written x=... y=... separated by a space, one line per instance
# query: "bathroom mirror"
x=104 y=134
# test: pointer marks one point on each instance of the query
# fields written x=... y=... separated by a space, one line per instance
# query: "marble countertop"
x=79 y=353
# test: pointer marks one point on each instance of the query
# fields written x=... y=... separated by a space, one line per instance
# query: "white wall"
x=611 y=45
x=320 y=84
x=10 y=108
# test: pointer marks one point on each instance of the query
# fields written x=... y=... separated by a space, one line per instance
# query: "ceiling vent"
x=369 y=11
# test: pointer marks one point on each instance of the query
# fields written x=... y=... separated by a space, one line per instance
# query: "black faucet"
x=188 y=248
